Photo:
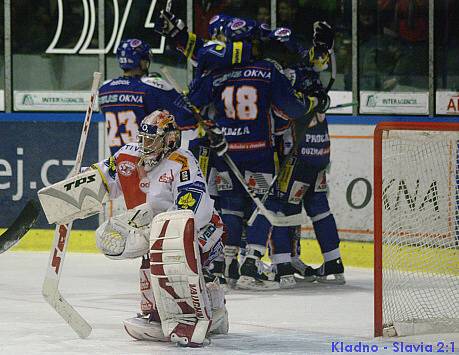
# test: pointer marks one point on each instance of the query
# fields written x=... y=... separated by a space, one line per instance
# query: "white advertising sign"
x=2 y=100
x=51 y=100
x=394 y=102
x=340 y=98
x=447 y=103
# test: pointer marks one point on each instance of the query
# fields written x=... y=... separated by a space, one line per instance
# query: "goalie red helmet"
x=158 y=137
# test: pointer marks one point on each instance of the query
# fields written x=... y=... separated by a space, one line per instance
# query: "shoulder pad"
x=157 y=83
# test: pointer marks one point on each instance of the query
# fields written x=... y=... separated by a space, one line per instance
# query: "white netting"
x=420 y=231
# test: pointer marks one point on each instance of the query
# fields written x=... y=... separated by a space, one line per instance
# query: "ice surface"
x=305 y=320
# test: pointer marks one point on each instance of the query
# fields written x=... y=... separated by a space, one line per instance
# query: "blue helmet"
x=239 y=29
x=217 y=24
x=130 y=52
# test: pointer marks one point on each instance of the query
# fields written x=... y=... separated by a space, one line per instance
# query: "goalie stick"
x=275 y=220
x=20 y=226
x=50 y=288
x=292 y=152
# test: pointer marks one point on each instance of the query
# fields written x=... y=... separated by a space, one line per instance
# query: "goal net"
x=416 y=228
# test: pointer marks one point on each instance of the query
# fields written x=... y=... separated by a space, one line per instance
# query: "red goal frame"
x=377 y=200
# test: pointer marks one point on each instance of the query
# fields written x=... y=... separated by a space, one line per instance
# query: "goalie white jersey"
x=175 y=183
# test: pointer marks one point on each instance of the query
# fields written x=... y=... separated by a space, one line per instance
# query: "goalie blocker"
x=78 y=197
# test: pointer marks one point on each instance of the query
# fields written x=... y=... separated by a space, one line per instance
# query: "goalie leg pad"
x=177 y=279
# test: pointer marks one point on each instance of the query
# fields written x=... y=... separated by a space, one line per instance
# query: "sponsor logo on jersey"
x=121 y=98
x=126 y=168
x=119 y=82
x=258 y=182
x=189 y=199
x=246 y=145
x=297 y=192
x=185 y=175
x=321 y=182
x=223 y=181
x=315 y=151
x=144 y=185
x=166 y=178
x=181 y=159
x=237 y=131
x=247 y=73
x=282 y=32
x=316 y=138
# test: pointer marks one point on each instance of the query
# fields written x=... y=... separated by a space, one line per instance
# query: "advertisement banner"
x=416 y=103
x=340 y=98
x=447 y=103
x=52 y=100
x=2 y=100
x=37 y=154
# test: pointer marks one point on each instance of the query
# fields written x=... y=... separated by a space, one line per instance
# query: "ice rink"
x=305 y=320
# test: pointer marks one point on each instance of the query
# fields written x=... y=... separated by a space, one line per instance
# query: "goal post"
x=416 y=228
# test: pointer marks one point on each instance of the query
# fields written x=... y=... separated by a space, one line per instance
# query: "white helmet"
x=158 y=137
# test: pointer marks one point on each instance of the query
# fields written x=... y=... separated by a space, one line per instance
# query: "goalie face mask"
x=158 y=137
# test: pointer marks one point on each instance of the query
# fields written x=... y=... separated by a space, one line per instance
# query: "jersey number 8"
x=240 y=103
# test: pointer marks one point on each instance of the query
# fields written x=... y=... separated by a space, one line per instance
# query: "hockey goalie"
x=170 y=223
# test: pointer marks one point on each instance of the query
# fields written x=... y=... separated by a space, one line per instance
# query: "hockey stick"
x=292 y=152
x=20 y=226
x=50 y=288
x=353 y=103
x=274 y=219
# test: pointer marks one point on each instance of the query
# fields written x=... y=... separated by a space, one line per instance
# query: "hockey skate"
x=145 y=327
x=231 y=265
x=284 y=275
x=253 y=274
x=334 y=269
x=303 y=272
x=217 y=269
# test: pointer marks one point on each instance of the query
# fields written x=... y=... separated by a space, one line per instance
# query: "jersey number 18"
x=241 y=102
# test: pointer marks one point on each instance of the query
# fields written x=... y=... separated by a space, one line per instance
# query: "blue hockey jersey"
x=125 y=101
x=314 y=146
x=243 y=97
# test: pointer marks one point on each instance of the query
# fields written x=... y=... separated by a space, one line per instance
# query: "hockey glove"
x=217 y=139
x=323 y=35
x=169 y=25
x=323 y=101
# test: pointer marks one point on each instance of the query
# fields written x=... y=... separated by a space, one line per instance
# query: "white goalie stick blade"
x=66 y=311
x=20 y=226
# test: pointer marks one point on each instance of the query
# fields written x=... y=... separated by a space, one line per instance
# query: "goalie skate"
x=144 y=327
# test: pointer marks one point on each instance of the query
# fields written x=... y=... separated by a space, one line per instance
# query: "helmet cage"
x=157 y=139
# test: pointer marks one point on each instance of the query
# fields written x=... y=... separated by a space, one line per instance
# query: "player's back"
x=242 y=97
x=122 y=100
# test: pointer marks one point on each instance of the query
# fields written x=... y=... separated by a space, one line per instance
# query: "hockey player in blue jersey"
x=243 y=97
x=126 y=100
x=304 y=180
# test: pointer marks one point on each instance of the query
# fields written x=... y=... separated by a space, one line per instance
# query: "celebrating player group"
x=212 y=180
